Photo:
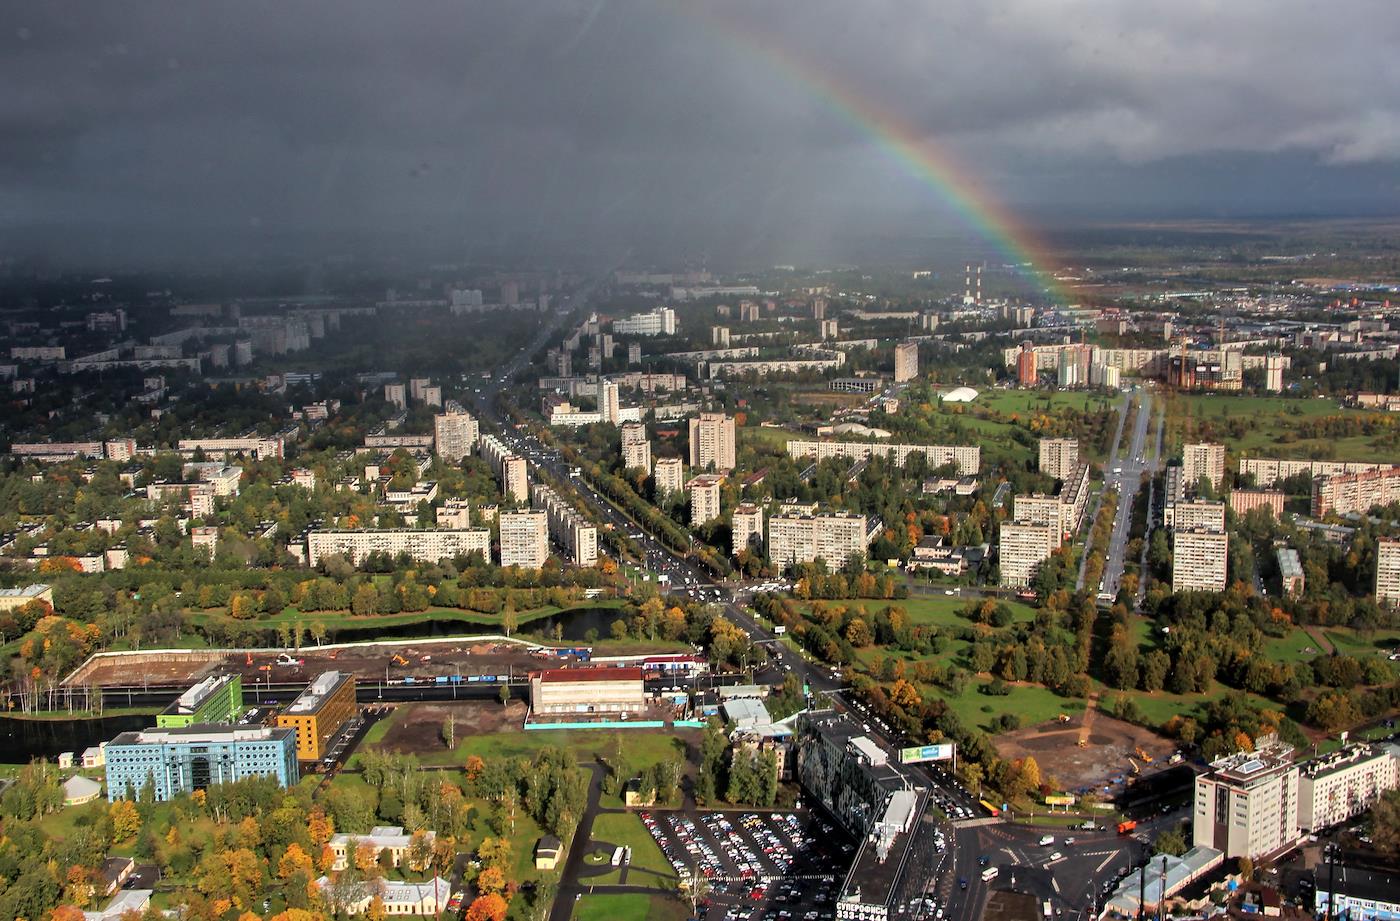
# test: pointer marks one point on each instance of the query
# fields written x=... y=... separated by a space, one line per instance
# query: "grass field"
x=640 y=747
x=1270 y=427
x=628 y=907
x=626 y=830
x=1031 y=402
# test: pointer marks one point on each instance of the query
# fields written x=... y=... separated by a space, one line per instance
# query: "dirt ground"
x=1011 y=906
x=425 y=659
x=423 y=733
x=1111 y=742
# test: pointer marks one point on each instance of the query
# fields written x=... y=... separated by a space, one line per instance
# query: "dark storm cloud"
x=600 y=117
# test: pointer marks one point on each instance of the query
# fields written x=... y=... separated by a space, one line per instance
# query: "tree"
x=1385 y=823
x=491 y=879
x=126 y=820
x=449 y=731
x=489 y=907
x=693 y=886
x=294 y=860
x=1169 y=842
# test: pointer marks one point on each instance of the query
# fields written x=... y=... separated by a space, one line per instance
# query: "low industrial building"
x=175 y=761
x=587 y=691
x=319 y=712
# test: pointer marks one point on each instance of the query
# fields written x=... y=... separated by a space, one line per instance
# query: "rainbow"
x=933 y=165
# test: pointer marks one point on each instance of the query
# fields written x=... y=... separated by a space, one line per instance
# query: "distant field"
x=774 y=439
x=1269 y=426
x=1029 y=402
x=627 y=907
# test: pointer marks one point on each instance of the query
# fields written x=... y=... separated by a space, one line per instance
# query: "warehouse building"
x=587 y=690
x=217 y=699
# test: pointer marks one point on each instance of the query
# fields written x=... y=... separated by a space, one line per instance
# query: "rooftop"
x=192 y=699
x=24 y=591
x=202 y=732
x=1341 y=759
x=1289 y=565
x=589 y=674
x=1249 y=767
x=315 y=695
x=1364 y=884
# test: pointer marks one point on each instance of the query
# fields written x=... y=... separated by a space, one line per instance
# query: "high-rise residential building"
x=830 y=329
x=670 y=475
x=712 y=442
x=396 y=394
x=1247 y=804
x=189 y=758
x=1199 y=560
x=1022 y=547
x=317 y=714
x=906 y=362
x=1039 y=509
x=1194 y=513
x=636 y=450
x=704 y=498
x=1059 y=456
x=455 y=433
x=1290 y=572
x=417 y=386
x=746 y=527
x=1343 y=784
x=510 y=293
x=719 y=336
x=835 y=538
x=1027 y=371
x=1388 y=572
x=818 y=308
x=748 y=312
x=658 y=322
x=1348 y=493
x=1203 y=461
x=966 y=458
x=524 y=539
x=428 y=545
x=432 y=395
x=1273 y=372
x=510 y=468
x=634 y=354
x=609 y=406
x=574 y=533
x=1243 y=501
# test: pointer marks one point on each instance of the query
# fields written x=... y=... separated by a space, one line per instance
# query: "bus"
x=990 y=808
x=990 y=874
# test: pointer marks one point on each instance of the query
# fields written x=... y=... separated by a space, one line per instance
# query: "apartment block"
x=1344 y=784
x=1196 y=513
x=658 y=322
x=575 y=534
x=524 y=539
x=835 y=538
x=712 y=442
x=455 y=434
x=1345 y=493
x=1290 y=572
x=1269 y=470
x=427 y=545
x=397 y=394
x=746 y=527
x=1199 y=560
x=182 y=760
x=1247 y=804
x=1038 y=509
x=1022 y=547
x=1203 y=460
x=670 y=475
x=704 y=498
x=636 y=450
x=1244 y=501
x=967 y=459
x=1388 y=572
x=906 y=362
x=511 y=469
x=1059 y=456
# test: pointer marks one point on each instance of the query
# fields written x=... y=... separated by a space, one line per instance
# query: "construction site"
x=1092 y=753
x=423 y=660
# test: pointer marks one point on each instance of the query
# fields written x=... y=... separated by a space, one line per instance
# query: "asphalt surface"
x=1124 y=474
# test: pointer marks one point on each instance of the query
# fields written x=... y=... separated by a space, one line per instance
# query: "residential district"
x=794 y=593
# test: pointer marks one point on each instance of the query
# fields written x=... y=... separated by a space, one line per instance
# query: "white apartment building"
x=396 y=394
x=966 y=458
x=704 y=498
x=746 y=527
x=1203 y=460
x=524 y=539
x=906 y=362
x=510 y=468
x=1196 y=513
x=636 y=450
x=1039 y=509
x=609 y=405
x=712 y=442
x=658 y=322
x=1247 y=804
x=1058 y=456
x=574 y=533
x=1269 y=470
x=1343 y=784
x=427 y=545
x=1388 y=572
x=1022 y=547
x=670 y=475
x=455 y=433
x=834 y=538
x=1199 y=560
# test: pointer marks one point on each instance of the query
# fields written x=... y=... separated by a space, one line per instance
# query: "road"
x=1098 y=499
x=1124 y=475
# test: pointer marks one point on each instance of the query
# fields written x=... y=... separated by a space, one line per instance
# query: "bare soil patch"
x=1111 y=743
x=419 y=731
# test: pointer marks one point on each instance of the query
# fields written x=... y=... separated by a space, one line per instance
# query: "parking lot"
x=760 y=866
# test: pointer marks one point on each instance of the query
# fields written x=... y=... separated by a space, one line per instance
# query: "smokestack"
x=979 y=286
x=967 y=283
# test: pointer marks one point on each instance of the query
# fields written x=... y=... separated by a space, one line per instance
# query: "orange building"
x=319 y=712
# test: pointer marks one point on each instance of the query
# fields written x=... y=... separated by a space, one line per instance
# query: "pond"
x=23 y=739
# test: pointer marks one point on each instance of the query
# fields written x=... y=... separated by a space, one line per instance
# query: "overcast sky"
x=643 y=121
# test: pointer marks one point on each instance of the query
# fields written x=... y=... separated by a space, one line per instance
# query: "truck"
x=1127 y=827
x=1046 y=840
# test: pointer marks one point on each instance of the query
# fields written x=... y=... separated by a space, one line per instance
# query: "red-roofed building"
x=587 y=690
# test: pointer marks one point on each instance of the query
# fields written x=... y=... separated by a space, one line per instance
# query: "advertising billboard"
x=919 y=753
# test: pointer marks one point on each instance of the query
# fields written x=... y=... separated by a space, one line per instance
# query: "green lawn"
x=1031 y=702
x=1272 y=426
x=1030 y=402
x=641 y=747
x=1354 y=644
x=1297 y=646
x=627 y=830
x=628 y=907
